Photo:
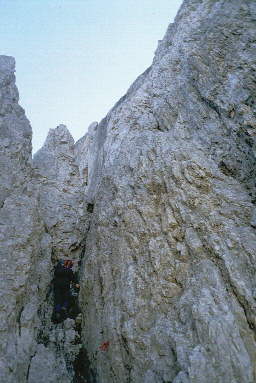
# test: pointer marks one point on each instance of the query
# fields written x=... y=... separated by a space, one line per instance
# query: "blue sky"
x=76 y=58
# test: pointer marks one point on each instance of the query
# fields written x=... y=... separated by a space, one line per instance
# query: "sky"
x=76 y=58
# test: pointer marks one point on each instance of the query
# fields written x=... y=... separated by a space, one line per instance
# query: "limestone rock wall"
x=169 y=269
x=85 y=154
x=59 y=187
x=15 y=149
x=41 y=219
x=24 y=245
x=158 y=201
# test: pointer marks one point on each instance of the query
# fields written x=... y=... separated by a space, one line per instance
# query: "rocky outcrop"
x=157 y=203
x=15 y=154
x=41 y=220
x=85 y=154
x=169 y=270
x=60 y=192
x=24 y=244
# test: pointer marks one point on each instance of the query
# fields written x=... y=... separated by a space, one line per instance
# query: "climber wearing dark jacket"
x=63 y=276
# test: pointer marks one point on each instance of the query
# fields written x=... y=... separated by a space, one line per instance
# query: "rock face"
x=40 y=220
x=157 y=201
x=15 y=154
x=60 y=193
x=24 y=246
x=85 y=154
x=169 y=270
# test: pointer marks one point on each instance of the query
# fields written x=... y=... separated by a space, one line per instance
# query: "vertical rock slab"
x=60 y=192
x=15 y=130
x=85 y=152
x=41 y=216
x=168 y=292
x=24 y=245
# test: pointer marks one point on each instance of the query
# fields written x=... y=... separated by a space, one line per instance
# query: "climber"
x=63 y=277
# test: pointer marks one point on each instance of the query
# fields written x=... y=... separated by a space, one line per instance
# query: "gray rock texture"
x=157 y=201
x=85 y=155
x=60 y=192
x=40 y=221
x=24 y=244
x=169 y=269
x=15 y=145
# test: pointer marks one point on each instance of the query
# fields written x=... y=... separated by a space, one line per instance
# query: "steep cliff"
x=156 y=203
x=25 y=247
x=169 y=269
x=60 y=192
x=41 y=220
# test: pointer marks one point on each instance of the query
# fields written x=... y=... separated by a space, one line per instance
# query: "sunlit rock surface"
x=169 y=270
x=60 y=191
x=32 y=348
x=158 y=203
x=24 y=244
x=15 y=130
x=85 y=153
